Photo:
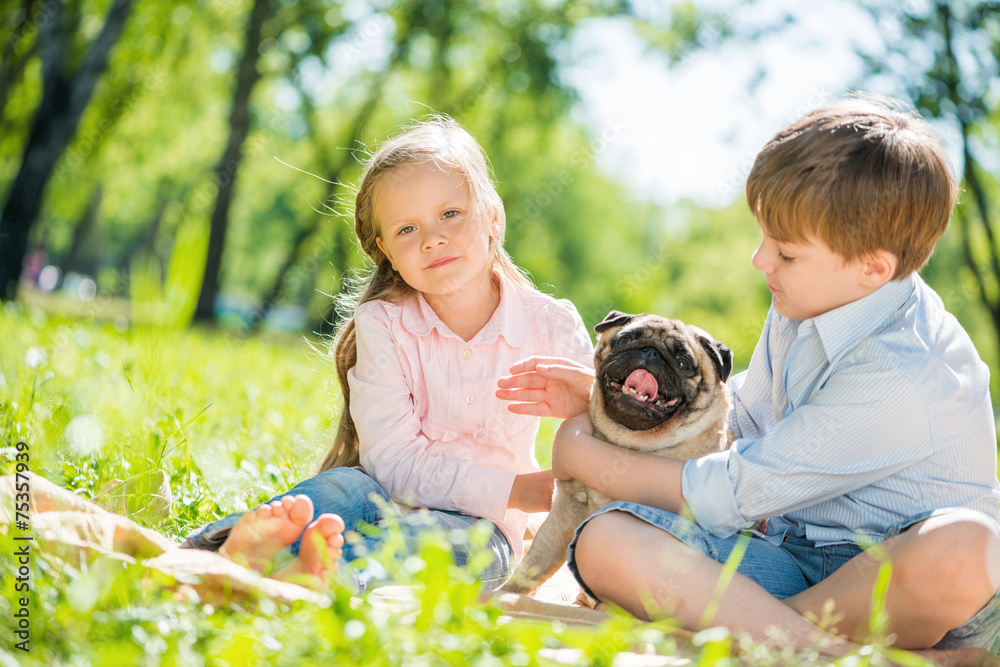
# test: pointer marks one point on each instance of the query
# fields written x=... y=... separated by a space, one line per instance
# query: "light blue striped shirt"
x=852 y=421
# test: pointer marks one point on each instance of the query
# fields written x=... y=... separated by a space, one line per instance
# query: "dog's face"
x=658 y=381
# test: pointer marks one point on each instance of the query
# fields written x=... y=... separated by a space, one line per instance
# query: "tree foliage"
x=948 y=55
x=70 y=72
x=169 y=133
x=199 y=98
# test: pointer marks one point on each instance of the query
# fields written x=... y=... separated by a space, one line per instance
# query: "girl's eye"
x=450 y=214
x=405 y=230
x=783 y=257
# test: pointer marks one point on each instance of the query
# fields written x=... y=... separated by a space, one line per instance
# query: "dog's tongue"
x=642 y=382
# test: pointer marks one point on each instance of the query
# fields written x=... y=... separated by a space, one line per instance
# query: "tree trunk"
x=84 y=229
x=225 y=173
x=146 y=241
x=333 y=177
x=990 y=272
x=64 y=98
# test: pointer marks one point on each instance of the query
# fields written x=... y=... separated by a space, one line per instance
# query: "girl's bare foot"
x=263 y=532
x=318 y=553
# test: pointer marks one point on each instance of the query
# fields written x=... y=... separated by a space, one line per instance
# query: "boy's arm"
x=621 y=474
x=866 y=423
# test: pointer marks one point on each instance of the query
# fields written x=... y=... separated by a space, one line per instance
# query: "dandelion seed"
x=354 y=629
x=34 y=357
x=84 y=435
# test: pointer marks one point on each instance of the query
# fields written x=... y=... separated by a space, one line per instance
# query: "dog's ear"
x=615 y=318
x=721 y=355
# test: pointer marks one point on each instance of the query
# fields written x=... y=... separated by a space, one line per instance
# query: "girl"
x=443 y=314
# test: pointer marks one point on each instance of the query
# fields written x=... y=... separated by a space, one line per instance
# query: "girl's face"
x=428 y=231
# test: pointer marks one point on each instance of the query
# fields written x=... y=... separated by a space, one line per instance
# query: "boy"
x=864 y=418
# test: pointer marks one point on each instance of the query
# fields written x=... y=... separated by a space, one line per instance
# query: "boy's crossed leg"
x=651 y=566
x=944 y=570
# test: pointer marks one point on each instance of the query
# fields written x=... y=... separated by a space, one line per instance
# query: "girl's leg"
x=361 y=502
x=349 y=493
x=455 y=528
x=650 y=573
x=346 y=492
x=267 y=529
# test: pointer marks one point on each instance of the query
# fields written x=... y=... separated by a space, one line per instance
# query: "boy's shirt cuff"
x=709 y=494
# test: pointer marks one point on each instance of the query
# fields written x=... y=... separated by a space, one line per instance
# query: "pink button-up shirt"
x=432 y=431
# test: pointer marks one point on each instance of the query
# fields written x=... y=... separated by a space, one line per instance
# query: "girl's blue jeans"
x=368 y=512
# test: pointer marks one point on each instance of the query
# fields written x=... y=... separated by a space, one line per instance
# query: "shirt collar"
x=509 y=319
x=842 y=327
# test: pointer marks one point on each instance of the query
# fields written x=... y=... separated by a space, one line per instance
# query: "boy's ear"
x=879 y=268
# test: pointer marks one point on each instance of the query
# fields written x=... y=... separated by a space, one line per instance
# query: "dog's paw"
x=513 y=585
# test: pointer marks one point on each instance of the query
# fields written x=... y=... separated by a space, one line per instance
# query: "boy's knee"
x=960 y=540
x=617 y=542
x=953 y=555
x=977 y=539
x=592 y=545
x=606 y=547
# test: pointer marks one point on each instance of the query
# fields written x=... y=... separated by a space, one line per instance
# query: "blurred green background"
x=176 y=179
x=179 y=161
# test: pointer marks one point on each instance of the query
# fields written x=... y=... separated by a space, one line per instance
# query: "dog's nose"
x=650 y=355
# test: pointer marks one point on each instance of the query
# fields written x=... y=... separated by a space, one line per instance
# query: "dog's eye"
x=624 y=339
x=682 y=362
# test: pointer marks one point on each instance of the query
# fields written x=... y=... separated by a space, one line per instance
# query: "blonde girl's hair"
x=448 y=146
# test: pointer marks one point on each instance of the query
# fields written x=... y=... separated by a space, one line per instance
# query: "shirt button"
x=470 y=399
x=467 y=354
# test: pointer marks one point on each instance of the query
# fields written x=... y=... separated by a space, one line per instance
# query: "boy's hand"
x=547 y=387
x=563 y=450
x=532 y=492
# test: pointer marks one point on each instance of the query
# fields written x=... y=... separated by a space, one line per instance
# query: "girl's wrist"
x=531 y=492
x=515 y=493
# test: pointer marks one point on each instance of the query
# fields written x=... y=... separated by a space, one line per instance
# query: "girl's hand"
x=563 y=454
x=532 y=492
x=547 y=387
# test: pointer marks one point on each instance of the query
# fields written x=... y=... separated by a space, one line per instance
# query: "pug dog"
x=660 y=387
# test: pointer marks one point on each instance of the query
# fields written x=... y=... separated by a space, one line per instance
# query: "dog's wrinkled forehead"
x=643 y=326
x=623 y=330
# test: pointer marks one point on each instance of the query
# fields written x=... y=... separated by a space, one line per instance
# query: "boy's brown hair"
x=860 y=175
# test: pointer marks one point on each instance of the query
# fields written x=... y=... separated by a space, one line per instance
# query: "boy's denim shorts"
x=794 y=565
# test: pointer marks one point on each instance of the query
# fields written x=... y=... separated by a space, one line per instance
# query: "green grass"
x=230 y=422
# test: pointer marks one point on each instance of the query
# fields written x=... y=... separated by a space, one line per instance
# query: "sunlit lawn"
x=230 y=422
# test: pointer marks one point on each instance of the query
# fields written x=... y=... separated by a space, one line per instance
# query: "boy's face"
x=809 y=279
